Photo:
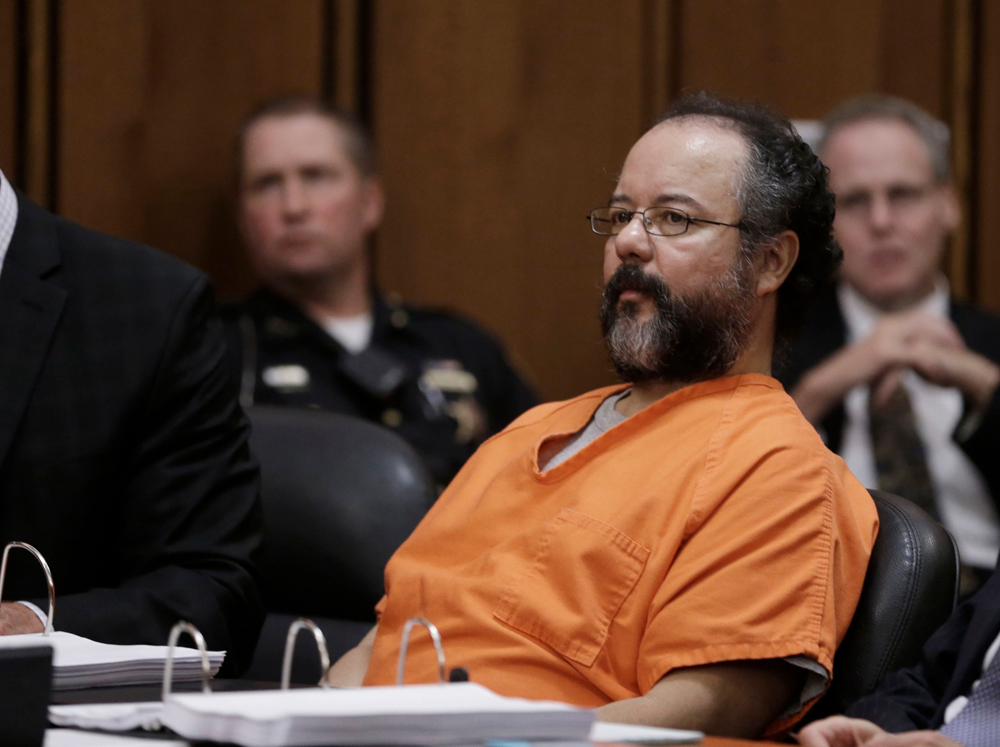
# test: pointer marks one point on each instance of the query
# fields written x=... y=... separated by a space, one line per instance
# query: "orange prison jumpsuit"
x=713 y=525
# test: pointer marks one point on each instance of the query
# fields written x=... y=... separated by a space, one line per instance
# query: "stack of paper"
x=80 y=662
x=108 y=716
x=429 y=715
x=604 y=731
x=129 y=716
x=75 y=738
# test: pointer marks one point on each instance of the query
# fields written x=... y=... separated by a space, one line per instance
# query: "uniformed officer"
x=318 y=334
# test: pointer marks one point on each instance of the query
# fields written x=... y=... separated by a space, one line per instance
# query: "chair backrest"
x=339 y=496
x=910 y=589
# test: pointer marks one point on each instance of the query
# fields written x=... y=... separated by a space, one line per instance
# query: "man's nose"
x=880 y=214
x=294 y=201
x=633 y=242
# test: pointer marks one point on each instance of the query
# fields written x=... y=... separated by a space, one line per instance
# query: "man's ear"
x=952 y=206
x=374 y=202
x=775 y=260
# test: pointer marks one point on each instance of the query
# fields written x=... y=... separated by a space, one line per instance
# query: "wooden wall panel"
x=150 y=95
x=806 y=57
x=499 y=125
x=915 y=61
x=37 y=65
x=986 y=262
x=800 y=57
x=9 y=33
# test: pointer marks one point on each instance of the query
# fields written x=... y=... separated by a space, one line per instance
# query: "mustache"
x=630 y=277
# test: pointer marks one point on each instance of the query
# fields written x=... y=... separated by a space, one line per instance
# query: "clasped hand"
x=929 y=345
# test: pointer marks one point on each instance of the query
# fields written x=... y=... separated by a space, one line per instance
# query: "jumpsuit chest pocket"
x=571 y=584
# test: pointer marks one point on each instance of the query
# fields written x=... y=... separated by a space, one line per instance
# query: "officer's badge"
x=471 y=420
x=446 y=377
x=287 y=379
x=450 y=387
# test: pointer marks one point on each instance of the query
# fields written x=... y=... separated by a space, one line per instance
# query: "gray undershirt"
x=605 y=418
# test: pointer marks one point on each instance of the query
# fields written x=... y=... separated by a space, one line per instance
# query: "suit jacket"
x=824 y=332
x=123 y=451
x=916 y=697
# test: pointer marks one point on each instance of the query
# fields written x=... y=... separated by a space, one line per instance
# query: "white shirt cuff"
x=41 y=615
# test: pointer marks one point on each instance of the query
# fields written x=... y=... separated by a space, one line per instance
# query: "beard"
x=687 y=339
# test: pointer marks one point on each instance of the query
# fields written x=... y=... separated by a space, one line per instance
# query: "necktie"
x=978 y=724
x=900 y=459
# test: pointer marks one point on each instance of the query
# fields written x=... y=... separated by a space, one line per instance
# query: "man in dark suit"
x=123 y=450
x=900 y=378
x=913 y=703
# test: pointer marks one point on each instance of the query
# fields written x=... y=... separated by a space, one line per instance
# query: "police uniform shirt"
x=440 y=382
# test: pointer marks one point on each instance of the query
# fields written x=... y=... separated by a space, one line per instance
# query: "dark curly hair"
x=783 y=187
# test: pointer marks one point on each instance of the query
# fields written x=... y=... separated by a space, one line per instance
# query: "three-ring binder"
x=185 y=627
x=206 y=674
x=48 y=578
x=430 y=715
x=324 y=655
x=404 y=644
x=168 y=667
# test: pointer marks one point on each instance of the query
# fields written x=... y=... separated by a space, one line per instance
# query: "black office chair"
x=910 y=589
x=339 y=496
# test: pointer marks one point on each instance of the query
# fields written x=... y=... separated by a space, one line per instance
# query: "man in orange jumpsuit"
x=679 y=550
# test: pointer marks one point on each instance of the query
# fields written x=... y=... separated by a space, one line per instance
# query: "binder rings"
x=80 y=662
x=429 y=715
x=434 y=715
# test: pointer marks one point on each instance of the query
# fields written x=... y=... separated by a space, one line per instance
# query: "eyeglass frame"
x=633 y=213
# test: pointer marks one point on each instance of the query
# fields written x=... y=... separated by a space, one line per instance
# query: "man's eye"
x=853 y=201
x=267 y=181
x=318 y=174
x=621 y=217
x=904 y=194
x=675 y=218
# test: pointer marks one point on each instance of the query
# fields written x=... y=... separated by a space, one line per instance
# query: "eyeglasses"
x=658 y=221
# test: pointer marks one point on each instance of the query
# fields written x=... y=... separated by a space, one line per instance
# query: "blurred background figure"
x=507 y=117
x=899 y=377
x=318 y=333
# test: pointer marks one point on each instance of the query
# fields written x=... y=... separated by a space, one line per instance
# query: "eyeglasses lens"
x=657 y=221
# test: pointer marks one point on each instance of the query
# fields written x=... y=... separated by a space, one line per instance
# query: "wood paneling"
x=345 y=75
x=150 y=96
x=987 y=257
x=9 y=105
x=964 y=152
x=39 y=75
x=499 y=125
x=916 y=39
x=806 y=57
